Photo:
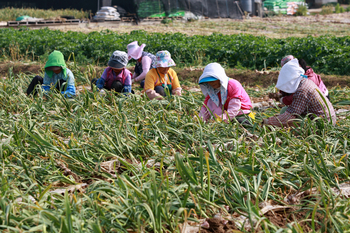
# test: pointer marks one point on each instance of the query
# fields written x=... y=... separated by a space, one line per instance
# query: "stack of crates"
x=281 y=6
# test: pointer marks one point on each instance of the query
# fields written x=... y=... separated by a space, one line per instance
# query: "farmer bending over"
x=225 y=98
x=115 y=77
x=287 y=98
x=57 y=76
x=144 y=61
x=306 y=99
x=162 y=79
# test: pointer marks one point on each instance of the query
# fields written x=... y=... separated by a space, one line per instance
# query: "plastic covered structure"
x=207 y=8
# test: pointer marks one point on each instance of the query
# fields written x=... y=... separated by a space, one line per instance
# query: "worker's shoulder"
x=152 y=73
x=172 y=71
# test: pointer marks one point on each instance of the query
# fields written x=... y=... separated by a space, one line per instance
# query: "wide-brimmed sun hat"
x=118 y=60
x=207 y=79
x=134 y=50
x=163 y=59
x=286 y=59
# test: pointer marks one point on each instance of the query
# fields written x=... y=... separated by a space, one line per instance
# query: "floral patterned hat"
x=163 y=59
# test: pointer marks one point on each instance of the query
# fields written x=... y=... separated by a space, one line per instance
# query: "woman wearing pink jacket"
x=225 y=98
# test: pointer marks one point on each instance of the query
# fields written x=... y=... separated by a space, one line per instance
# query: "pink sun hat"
x=134 y=50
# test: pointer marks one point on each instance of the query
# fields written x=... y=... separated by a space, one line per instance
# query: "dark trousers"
x=160 y=90
x=38 y=80
x=116 y=86
x=142 y=84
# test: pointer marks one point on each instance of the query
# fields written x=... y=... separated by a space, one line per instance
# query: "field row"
x=110 y=164
x=326 y=54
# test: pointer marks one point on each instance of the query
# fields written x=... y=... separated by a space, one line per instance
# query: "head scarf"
x=55 y=59
x=215 y=70
x=163 y=59
x=290 y=76
x=286 y=59
x=134 y=50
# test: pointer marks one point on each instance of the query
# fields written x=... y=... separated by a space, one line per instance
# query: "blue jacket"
x=52 y=82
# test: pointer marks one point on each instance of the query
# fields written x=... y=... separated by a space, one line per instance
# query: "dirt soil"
x=219 y=226
x=278 y=218
x=253 y=78
x=273 y=27
x=281 y=219
x=19 y=67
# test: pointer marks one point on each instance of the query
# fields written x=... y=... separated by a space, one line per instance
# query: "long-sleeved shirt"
x=109 y=76
x=306 y=100
x=153 y=79
x=233 y=110
x=52 y=82
x=237 y=103
x=143 y=65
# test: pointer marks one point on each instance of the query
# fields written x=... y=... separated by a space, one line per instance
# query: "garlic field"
x=127 y=164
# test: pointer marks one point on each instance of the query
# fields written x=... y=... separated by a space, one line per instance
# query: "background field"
x=272 y=27
x=114 y=163
x=126 y=164
x=10 y=14
x=326 y=54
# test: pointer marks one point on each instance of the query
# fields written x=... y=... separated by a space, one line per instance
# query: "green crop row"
x=49 y=143
x=326 y=54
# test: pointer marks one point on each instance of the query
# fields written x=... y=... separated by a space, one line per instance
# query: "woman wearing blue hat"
x=224 y=98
